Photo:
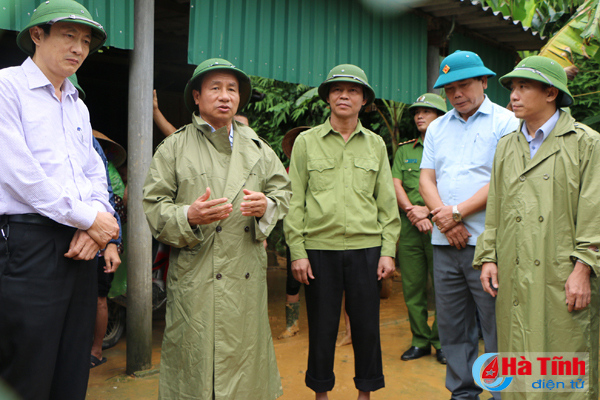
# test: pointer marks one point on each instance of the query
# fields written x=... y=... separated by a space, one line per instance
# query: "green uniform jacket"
x=344 y=197
x=541 y=215
x=407 y=168
x=217 y=281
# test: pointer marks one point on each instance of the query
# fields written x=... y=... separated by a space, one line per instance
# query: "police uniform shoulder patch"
x=407 y=142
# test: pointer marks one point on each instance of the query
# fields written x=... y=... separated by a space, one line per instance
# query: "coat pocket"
x=321 y=174
x=365 y=174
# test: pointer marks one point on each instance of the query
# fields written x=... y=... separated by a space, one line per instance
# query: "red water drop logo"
x=490 y=373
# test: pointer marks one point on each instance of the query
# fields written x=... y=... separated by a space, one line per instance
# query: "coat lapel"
x=244 y=157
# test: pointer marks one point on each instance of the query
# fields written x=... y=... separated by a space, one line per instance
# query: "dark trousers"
x=47 y=313
x=458 y=294
x=355 y=273
x=292 y=286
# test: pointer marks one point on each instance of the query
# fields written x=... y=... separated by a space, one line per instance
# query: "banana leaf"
x=580 y=35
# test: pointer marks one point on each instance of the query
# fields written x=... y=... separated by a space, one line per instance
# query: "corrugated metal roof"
x=494 y=26
x=499 y=61
x=116 y=16
x=300 y=41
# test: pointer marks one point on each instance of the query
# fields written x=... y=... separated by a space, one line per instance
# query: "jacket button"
x=537 y=262
x=219 y=229
x=247 y=275
x=517 y=260
x=518 y=219
x=522 y=178
x=516 y=303
x=246 y=229
x=219 y=276
x=541 y=219
x=546 y=176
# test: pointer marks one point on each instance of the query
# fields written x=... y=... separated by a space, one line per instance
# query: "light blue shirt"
x=461 y=153
x=540 y=135
x=48 y=163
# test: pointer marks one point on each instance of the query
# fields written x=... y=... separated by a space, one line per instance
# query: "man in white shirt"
x=54 y=209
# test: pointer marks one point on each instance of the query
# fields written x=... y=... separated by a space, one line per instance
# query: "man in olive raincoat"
x=541 y=238
x=214 y=192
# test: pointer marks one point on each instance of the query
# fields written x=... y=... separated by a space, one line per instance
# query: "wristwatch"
x=456 y=215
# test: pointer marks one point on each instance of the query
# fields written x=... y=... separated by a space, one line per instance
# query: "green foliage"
x=586 y=108
x=279 y=112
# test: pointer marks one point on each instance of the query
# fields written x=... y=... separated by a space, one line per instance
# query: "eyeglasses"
x=349 y=76
x=75 y=17
x=535 y=71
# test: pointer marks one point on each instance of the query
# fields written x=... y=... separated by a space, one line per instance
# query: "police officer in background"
x=415 y=253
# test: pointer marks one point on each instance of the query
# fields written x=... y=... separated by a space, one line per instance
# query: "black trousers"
x=292 y=286
x=47 y=313
x=336 y=272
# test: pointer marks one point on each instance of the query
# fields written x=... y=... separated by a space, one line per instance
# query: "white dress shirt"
x=48 y=164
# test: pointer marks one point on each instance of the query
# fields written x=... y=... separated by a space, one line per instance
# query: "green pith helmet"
x=52 y=11
x=430 y=100
x=217 y=64
x=461 y=65
x=75 y=82
x=543 y=70
x=347 y=73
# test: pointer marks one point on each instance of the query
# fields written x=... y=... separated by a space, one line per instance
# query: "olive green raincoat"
x=542 y=214
x=217 y=331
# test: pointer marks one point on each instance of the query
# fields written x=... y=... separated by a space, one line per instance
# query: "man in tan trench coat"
x=214 y=192
x=541 y=238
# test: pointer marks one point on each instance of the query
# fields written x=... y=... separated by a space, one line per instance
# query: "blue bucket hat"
x=461 y=65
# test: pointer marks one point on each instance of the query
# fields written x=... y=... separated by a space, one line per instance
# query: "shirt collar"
x=545 y=129
x=36 y=79
x=485 y=108
x=327 y=128
x=418 y=141
x=213 y=129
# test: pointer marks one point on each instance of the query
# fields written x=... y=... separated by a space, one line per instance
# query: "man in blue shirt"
x=455 y=174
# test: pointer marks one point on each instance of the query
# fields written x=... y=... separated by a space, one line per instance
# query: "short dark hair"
x=242 y=114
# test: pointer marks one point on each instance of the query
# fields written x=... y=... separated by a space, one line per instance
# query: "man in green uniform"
x=214 y=192
x=541 y=238
x=341 y=230
x=415 y=252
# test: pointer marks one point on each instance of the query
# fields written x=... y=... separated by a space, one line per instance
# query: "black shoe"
x=439 y=354
x=414 y=352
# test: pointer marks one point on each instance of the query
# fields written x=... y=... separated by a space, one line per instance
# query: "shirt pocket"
x=365 y=174
x=411 y=173
x=321 y=174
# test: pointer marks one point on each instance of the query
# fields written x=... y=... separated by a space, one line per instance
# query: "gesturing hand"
x=256 y=204
x=203 y=212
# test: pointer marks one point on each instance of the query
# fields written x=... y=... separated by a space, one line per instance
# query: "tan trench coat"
x=542 y=214
x=217 y=331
